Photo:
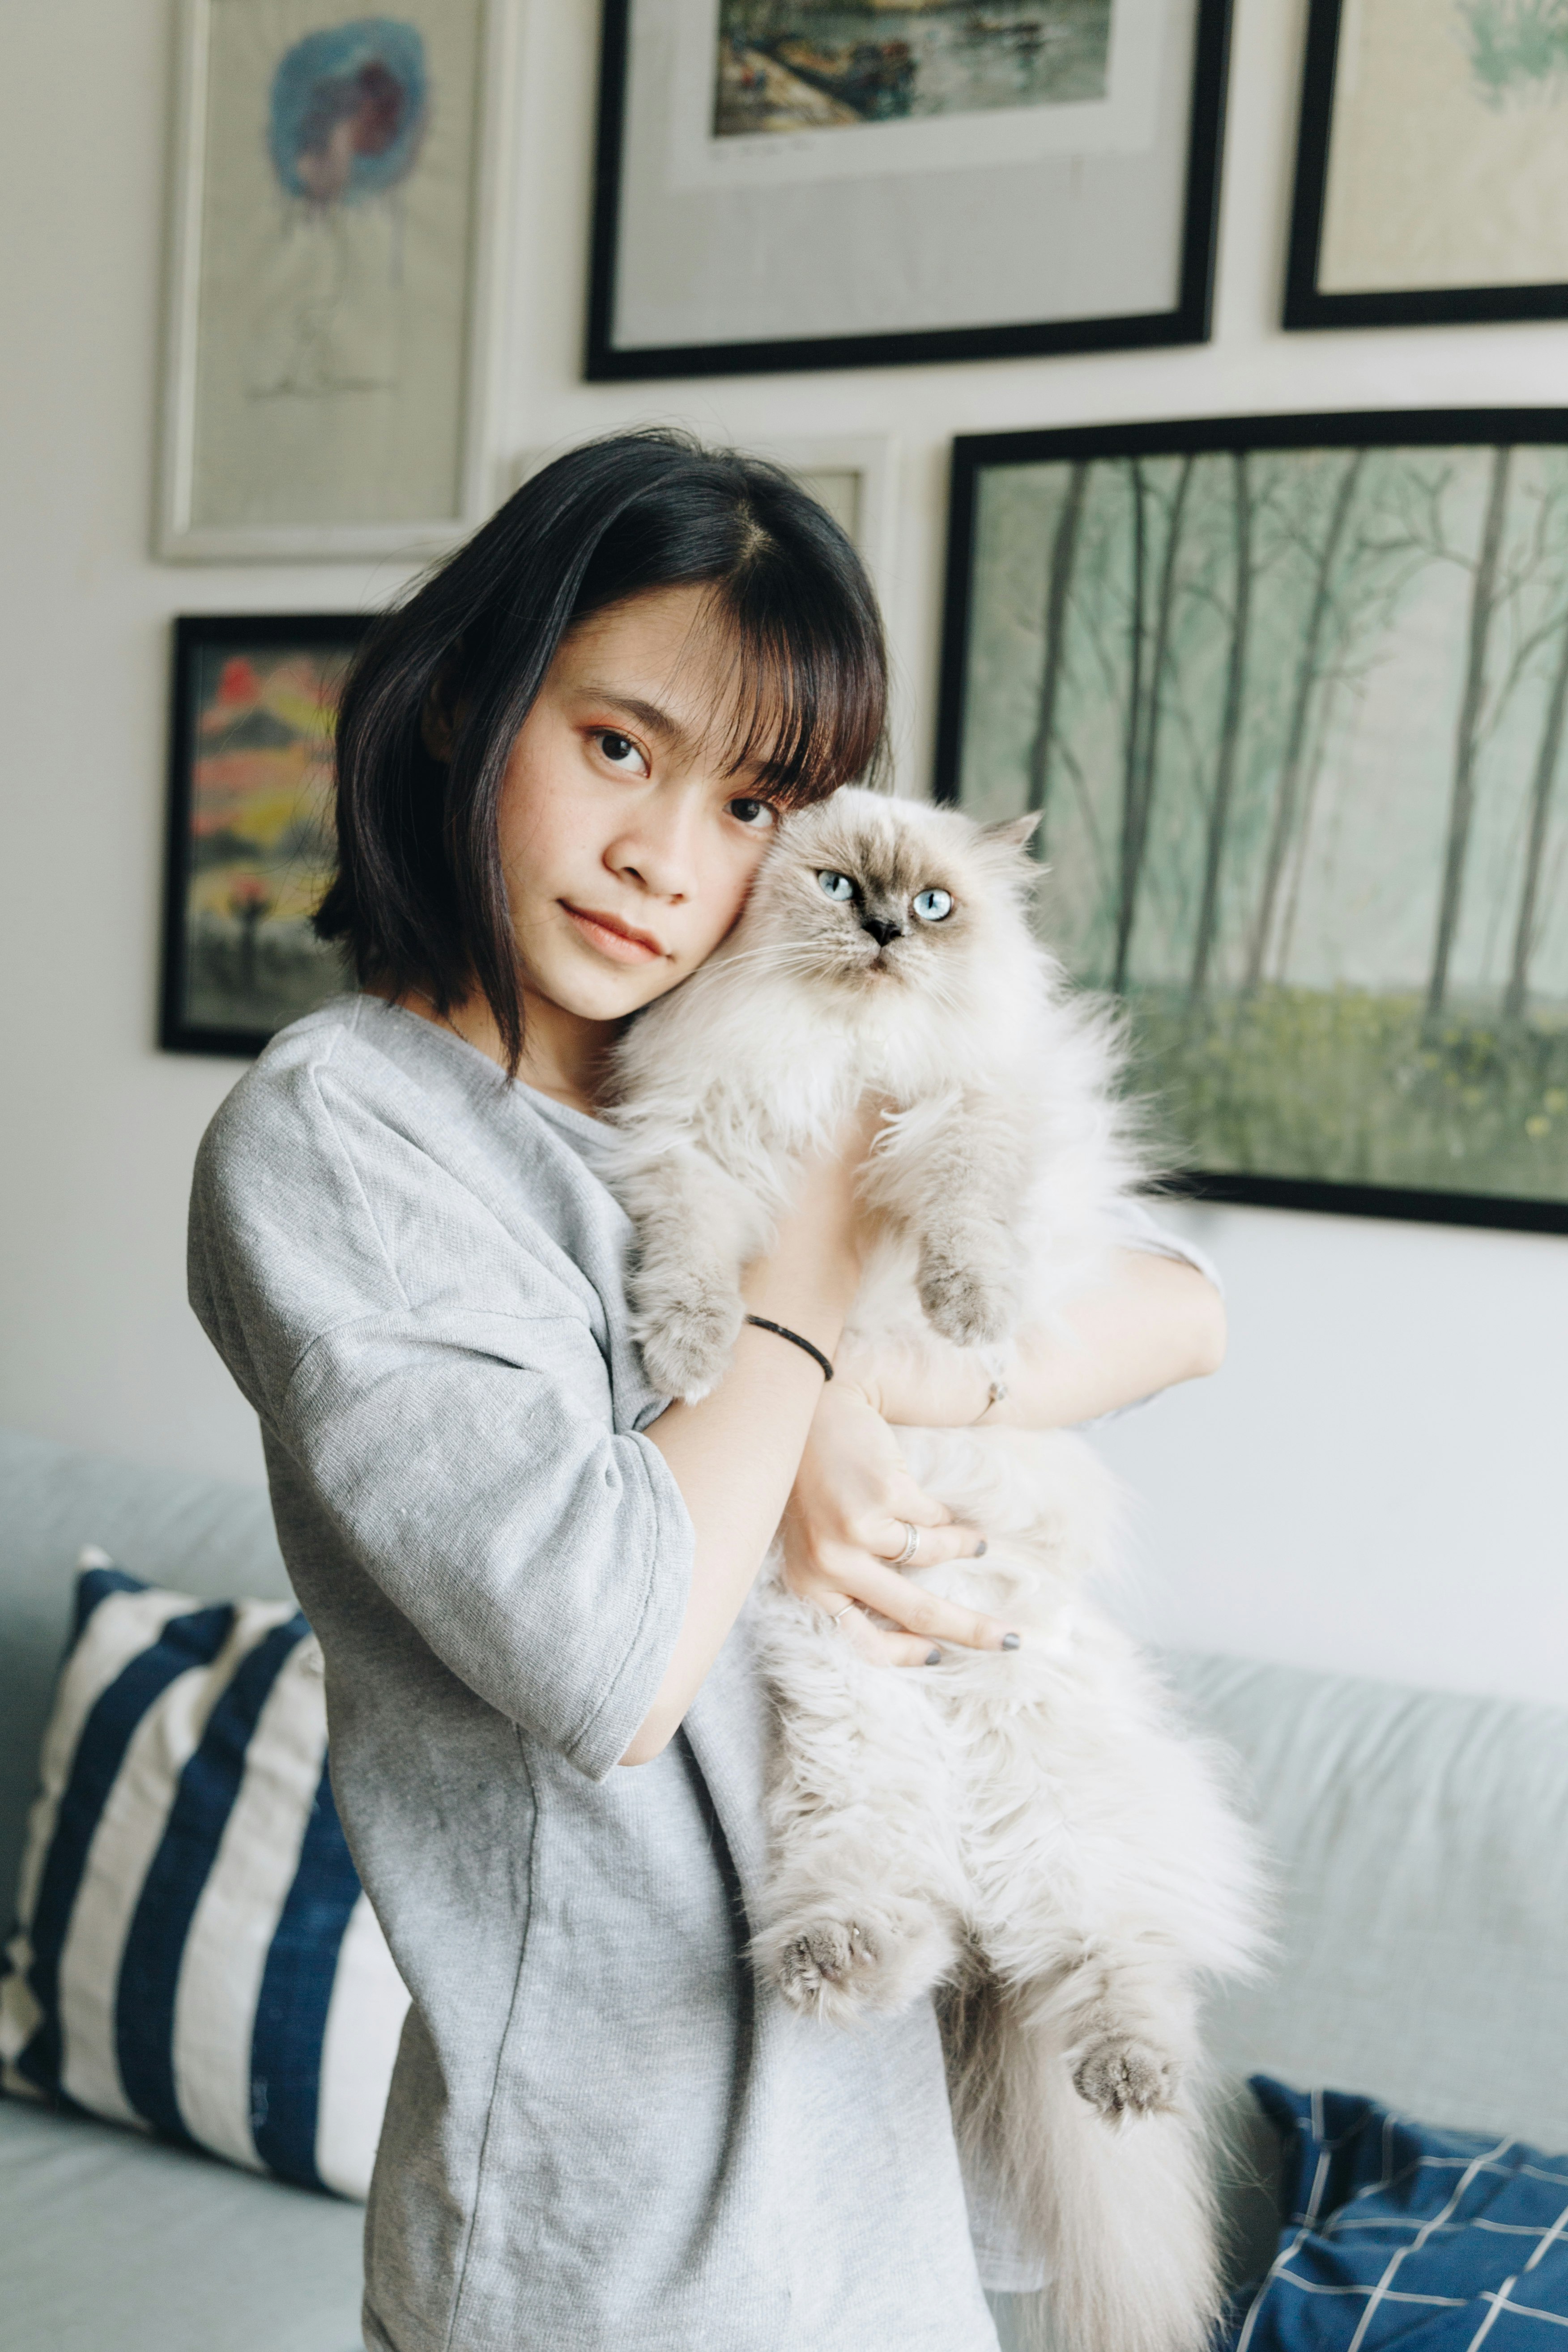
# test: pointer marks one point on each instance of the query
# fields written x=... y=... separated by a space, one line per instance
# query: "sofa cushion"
x=201 y=1535
x=194 y=1952
x=1420 y=1841
x=111 y=2243
x=1395 y=2231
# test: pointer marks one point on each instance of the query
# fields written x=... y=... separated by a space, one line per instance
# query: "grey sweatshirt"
x=603 y=2135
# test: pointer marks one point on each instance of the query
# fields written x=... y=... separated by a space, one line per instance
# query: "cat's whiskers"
x=832 y=957
x=784 y=958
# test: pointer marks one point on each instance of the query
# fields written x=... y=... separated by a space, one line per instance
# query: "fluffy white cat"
x=1029 y=1835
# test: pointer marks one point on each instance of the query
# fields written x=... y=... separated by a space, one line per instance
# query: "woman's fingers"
x=874 y=1641
x=885 y=1649
x=953 y=1539
x=907 y=1528
x=882 y=1648
x=909 y=1502
x=911 y=1607
x=923 y=1623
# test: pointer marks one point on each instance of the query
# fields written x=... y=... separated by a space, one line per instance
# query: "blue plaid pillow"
x=1442 y=2240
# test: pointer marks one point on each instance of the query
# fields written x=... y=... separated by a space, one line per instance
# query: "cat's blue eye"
x=933 y=905
x=837 y=886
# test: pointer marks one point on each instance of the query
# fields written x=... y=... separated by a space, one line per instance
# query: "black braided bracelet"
x=782 y=1331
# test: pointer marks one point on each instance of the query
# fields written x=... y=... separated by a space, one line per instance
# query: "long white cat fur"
x=1031 y=1835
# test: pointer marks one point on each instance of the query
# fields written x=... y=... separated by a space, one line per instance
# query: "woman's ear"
x=1013 y=831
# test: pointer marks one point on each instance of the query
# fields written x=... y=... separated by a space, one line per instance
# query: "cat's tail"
x=1123 y=2214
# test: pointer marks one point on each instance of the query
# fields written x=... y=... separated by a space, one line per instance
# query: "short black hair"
x=437 y=692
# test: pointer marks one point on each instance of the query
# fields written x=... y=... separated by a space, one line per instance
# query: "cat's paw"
x=1124 y=2077
x=829 y=1966
x=826 y=1967
x=687 y=1343
x=972 y=1306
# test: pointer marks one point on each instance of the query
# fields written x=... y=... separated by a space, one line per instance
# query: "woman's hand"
x=1152 y=1321
x=846 y=1524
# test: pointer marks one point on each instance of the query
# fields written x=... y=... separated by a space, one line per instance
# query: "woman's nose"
x=658 y=855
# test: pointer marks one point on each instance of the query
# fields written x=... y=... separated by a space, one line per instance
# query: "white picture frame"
x=268 y=508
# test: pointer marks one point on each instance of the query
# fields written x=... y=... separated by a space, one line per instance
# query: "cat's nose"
x=881 y=930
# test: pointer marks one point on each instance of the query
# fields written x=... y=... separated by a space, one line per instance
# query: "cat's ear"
x=1013 y=831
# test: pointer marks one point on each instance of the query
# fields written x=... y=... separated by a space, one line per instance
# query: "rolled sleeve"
x=1137 y=1229
x=544 y=1557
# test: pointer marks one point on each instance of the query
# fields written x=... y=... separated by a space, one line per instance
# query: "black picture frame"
x=1306 y=308
x=198 y=637
x=974 y=455
x=1189 y=322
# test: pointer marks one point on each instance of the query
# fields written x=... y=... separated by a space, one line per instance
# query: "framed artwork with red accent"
x=250 y=845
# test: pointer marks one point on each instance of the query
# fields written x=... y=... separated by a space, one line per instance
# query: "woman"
x=560 y=764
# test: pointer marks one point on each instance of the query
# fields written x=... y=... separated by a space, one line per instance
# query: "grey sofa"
x=1421 y=1842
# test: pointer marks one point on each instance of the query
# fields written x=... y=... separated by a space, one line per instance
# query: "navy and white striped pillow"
x=194 y=1954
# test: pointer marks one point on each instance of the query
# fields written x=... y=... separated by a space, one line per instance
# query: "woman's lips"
x=612 y=939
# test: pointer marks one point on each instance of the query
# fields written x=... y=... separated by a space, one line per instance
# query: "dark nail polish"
x=1012 y=1641
x=934 y=1657
x=981 y=1548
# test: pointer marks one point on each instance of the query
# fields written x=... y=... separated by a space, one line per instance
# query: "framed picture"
x=1290 y=695
x=806 y=184
x=1432 y=168
x=250 y=831
x=330 y=263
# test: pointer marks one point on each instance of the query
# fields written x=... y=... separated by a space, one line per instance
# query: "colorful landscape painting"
x=814 y=65
x=1293 y=718
x=253 y=804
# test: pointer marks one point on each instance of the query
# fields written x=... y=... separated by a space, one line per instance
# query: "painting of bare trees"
x=1290 y=696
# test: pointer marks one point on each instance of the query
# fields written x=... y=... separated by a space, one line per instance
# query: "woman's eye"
x=621 y=751
x=933 y=905
x=745 y=812
x=837 y=886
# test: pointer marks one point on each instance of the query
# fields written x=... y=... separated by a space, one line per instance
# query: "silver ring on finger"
x=835 y=1614
x=912 y=1544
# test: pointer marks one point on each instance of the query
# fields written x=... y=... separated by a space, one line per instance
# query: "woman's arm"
x=734 y=1456
x=1155 y=1322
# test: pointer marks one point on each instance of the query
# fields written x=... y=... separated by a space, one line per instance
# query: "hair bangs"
x=808 y=711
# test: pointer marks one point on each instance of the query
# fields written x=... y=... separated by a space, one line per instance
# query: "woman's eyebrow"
x=646 y=714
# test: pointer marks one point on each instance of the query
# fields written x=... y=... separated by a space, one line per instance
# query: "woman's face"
x=627 y=849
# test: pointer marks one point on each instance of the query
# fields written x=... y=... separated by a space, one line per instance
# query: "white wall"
x=1374 y=1480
